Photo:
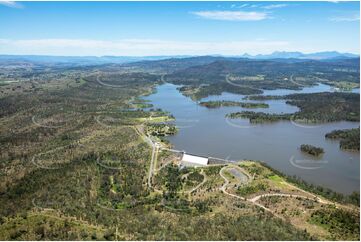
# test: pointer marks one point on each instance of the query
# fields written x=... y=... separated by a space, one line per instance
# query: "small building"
x=194 y=160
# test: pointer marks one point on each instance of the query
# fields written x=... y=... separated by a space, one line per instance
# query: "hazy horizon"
x=177 y=28
x=180 y=55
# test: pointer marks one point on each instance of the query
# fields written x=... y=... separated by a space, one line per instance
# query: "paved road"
x=319 y=199
x=150 y=172
x=154 y=153
x=224 y=190
x=256 y=198
x=172 y=150
x=224 y=186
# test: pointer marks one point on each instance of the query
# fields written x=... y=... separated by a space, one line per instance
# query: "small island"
x=259 y=117
x=312 y=150
x=264 y=97
x=223 y=103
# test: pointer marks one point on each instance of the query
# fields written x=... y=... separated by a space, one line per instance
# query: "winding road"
x=224 y=190
x=155 y=148
x=200 y=184
x=254 y=200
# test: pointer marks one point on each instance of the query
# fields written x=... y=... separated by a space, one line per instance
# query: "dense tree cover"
x=122 y=184
x=251 y=188
x=192 y=179
x=35 y=226
x=212 y=170
x=197 y=93
x=195 y=176
x=129 y=78
x=259 y=117
x=312 y=150
x=326 y=107
x=349 y=138
x=161 y=129
x=76 y=112
x=274 y=72
x=314 y=107
x=172 y=64
x=238 y=76
x=173 y=181
x=342 y=224
x=264 y=97
x=217 y=104
x=73 y=195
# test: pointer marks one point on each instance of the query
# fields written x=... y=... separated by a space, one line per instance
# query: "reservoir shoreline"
x=207 y=132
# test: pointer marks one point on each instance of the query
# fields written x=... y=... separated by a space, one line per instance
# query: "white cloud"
x=351 y=18
x=11 y=4
x=243 y=5
x=232 y=15
x=272 y=6
x=136 y=47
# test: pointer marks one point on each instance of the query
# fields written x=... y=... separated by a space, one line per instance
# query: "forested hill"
x=176 y=64
x=327 y=107
x=314 y=108
x=345 y=69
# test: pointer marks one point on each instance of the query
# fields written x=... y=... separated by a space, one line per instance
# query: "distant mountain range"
x=300 y=55
x=84 y=60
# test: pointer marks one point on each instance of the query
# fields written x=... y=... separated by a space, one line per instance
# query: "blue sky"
x=177 y=28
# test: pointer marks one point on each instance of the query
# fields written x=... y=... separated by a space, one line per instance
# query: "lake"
x=207 y=132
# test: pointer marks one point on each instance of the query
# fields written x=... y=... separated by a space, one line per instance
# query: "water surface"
x=207 y=132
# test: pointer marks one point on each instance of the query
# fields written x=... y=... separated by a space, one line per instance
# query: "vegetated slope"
x=342 y=224
x=314 y=107
x=274 y=70
x=174 y=64
x=326 y=107
x=73 y=167
x=77 y=199
x=197 y=93
x=245 y=76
